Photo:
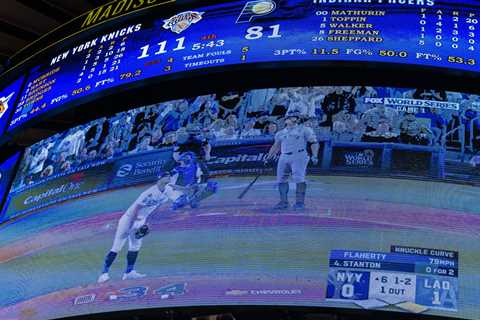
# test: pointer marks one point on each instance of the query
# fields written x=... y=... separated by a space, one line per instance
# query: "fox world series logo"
x=363 y=158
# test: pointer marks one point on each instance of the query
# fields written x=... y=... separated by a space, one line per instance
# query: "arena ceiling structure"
x=28 y=26
x=24 y=21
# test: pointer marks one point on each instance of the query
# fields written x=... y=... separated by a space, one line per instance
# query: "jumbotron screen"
x=345 y=197
x=8 y=96
x=427 y=33
x=7 y=172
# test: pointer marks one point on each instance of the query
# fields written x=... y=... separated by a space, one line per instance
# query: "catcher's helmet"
x=187 y=157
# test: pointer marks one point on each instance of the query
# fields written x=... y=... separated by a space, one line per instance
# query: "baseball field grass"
x=229 y=247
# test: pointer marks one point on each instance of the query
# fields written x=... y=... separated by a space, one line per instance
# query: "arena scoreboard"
x=8 y=96
x=415 y=282
x=428 y=33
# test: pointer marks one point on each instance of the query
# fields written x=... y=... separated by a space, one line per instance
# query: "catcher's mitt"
x=142 y=232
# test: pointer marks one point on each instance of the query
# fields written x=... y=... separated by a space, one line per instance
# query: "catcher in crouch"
x=132 y=226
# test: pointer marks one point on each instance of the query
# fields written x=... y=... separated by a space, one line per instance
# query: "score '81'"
x=256 y=32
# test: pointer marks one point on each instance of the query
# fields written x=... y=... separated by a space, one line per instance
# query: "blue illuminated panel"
x=424 y=32
x=412 y=281
x=7 y=99
x=6 y=175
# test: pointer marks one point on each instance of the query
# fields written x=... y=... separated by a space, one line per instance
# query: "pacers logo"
x=254 y=9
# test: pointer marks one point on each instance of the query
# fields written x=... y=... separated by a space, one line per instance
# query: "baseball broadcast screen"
x=429 y=33
x=345 y=197
x=7 y=172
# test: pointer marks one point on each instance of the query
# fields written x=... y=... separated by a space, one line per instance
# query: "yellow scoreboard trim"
x=109 y=5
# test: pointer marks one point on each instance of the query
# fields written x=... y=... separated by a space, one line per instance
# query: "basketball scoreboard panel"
x=8 y=96
x=428 y=33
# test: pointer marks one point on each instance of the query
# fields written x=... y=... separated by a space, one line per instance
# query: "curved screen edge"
x=282 y=32
x=383 y=226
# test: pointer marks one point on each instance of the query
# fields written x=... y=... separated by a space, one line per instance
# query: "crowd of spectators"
x=336 y=113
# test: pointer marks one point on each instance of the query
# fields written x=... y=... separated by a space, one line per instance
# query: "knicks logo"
x=180 y=22
x=254 y=9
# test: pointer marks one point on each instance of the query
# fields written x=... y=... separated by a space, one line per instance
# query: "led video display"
x=346 y=197
x=7 y=172
x=8 y=96
x=429 y=33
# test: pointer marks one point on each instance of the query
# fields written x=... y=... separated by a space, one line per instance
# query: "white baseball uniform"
x=294 y=157
x=135 y=217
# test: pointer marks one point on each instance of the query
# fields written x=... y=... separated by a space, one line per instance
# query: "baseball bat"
x=244 y=192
